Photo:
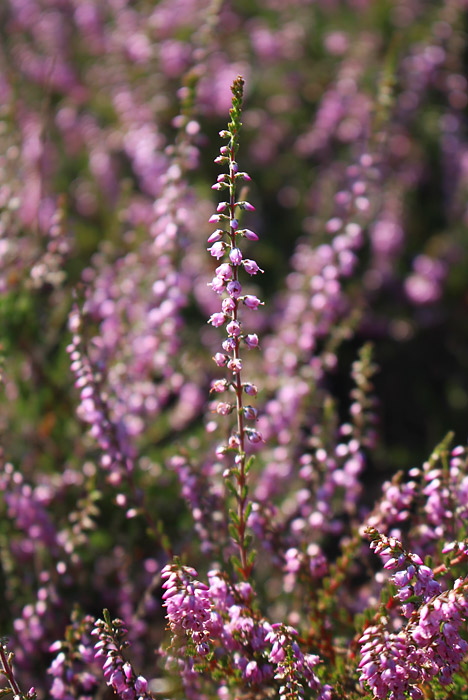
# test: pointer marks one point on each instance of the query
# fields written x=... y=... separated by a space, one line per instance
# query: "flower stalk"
x=6 y=670
x=225 y=245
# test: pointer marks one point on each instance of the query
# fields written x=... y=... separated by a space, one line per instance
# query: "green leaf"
x=251 y=557
x=231 y=487
x=235 y=561
x=248 y=510
x=249 y=464
x=107 y=617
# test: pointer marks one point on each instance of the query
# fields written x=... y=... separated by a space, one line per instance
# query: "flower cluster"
x=188 y=606
x=429 y=646
x=72 y=668
x=112 y=439
x=413 y=579
x=294 y=669
x=118 y=673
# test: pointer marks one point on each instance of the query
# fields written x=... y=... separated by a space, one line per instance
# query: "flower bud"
x=250 y=235
x=251 y=340
x=253 y=435
x=250 y=389
x=251 y=301
x=246 y=206
x=216 y=235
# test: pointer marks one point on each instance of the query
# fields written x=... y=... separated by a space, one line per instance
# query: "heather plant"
x=240 y=508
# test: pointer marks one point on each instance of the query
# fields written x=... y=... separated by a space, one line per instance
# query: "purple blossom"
x=251 y=340
x=235 y=256
x=217 y=319
x=252 y=302
x=217 y=249
x=251 y=267
x=216 y=236
x=224 y=271
x=234 y=289
x=188 y=606
x=234 y=328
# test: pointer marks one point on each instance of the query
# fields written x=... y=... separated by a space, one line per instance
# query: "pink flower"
x=217 y=319
x=215 y=218
x=250 y=413
x=250 y=389
x=217 y=249
x=251 y=267
x=246 y=206
x=234 y=289
x=229 y=344
x=253 y=435
x=217 y=285
x=250 y=235
x=251 y=301
x=233 y=328
x=220 y=359
x=219 y=385
x=216 y=236
x=228 y=305
x=224 y=271
x=235 y=256
x=251 y=340
x=235 y=365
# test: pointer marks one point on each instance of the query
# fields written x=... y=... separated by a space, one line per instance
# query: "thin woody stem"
x=7 y=671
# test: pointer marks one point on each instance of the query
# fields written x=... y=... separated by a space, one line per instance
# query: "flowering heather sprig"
x=294 y=668
x=362 y=409
x=413 y=579
x=430 y=645
x=117 y=453
x=118 y=673
x=6 y=670
x=225 y=246
x=188 y=606
x=72 y=668
x=394 y=506
x=204 y=494
x=26 y=507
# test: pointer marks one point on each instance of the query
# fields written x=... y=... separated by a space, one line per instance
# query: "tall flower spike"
x=227 y=248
